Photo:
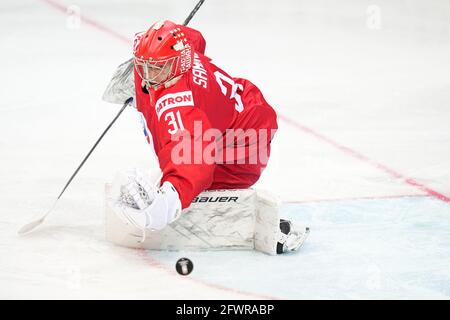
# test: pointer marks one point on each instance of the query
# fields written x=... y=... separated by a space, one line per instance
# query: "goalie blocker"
x=216 y=220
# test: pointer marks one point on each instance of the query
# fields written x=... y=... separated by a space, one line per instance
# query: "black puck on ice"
x=184 y=266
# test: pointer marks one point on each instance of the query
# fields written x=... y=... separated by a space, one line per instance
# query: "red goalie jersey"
x=209 y=130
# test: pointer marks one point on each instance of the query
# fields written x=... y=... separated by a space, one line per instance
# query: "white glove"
x=145 y=205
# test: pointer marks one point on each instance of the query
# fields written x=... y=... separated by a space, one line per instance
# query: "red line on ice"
x=351 y=152
x=357 y=155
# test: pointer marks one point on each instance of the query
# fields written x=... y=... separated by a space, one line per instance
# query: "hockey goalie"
x=212 y=135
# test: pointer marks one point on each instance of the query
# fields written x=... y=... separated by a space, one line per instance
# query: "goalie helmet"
x=161 y=54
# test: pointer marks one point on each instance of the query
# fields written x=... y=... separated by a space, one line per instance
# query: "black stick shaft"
x=127 y=102
x=193 y=12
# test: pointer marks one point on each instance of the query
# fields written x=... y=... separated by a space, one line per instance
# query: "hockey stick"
x=193 y=12
x=33 y=224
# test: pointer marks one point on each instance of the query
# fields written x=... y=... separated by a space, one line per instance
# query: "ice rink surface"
x=362 y=156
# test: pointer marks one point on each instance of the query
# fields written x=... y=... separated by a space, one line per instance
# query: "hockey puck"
x=184 y=266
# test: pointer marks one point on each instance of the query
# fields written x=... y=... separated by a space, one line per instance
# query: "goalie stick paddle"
x=33 y=224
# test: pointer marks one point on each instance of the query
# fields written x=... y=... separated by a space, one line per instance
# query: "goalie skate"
x=290 y=238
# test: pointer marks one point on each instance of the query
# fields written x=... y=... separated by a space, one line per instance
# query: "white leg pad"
x=216 y=220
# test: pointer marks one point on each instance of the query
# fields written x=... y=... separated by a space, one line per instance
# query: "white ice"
x=371 y=76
